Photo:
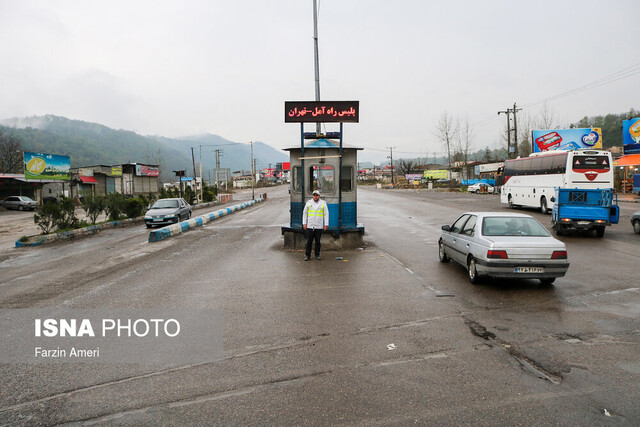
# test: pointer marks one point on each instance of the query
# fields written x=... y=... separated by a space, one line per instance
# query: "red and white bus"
x=531 y=181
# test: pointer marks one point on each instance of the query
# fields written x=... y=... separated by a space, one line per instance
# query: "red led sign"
x=321 y=111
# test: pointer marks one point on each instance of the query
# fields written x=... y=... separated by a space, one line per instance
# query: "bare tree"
x=11 y=157
x=405 y=167
x=464 y=143
x=525 y=125
x=446 y=131
x=547 y=118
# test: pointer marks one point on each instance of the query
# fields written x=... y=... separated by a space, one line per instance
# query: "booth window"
x=346 y=180
x=321 y=178
x=296 y=178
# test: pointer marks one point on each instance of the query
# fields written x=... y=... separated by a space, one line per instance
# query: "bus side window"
x=547 y=164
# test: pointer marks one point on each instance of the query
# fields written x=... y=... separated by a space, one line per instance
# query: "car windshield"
x=164 y=204
x=512 y=226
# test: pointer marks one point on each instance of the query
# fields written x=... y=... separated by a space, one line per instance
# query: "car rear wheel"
x=636 y=226
x=543 y=205
x=547 y=281
x=557 y=229
x=441 y=253
x=600 y=231
x=472 y=271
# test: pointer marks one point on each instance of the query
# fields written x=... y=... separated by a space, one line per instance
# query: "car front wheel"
x=547 y=281
x=472 y=271
x=441 y=253
x=20 y=208
x=636 y=226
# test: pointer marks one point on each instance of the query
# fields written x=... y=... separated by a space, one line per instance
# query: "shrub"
x=209 y=194
x=135 y=207
x=189 y=195
x=93 y=205
x=47 y=217
x=67 y=218
x=116 y=205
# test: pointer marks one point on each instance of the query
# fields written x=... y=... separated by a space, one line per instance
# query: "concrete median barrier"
x=181 y=227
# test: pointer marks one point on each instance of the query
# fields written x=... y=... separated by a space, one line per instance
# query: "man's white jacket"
x=315 y=214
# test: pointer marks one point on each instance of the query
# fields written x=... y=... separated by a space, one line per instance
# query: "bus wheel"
x=510 y=201
x=600 y=231
x=543 y=205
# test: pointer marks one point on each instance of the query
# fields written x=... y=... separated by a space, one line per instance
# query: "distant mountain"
x=91 y=144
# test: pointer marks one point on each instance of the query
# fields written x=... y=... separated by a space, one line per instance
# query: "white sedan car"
x=507 y=245
x=480 y=187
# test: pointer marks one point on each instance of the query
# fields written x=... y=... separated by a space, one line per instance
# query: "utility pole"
x=508 y=112
x=391 y=157
x=515 y=128
x=195 y=178
x=217 y=151
x=316 y=59
x=512 y=152
x=201 y=177
x=253 y=194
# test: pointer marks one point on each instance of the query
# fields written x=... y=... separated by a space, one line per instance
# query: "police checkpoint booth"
x=322 y=162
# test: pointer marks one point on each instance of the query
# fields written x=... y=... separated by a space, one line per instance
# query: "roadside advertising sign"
x=566 y=139
x=46 y=166
x=436 y=174
x=286 y=166
x=413 y=176
x=116 y=171
x=631 y=136
x=145 y=170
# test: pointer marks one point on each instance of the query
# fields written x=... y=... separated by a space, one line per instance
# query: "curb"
x=174 y=229
x=92 y=229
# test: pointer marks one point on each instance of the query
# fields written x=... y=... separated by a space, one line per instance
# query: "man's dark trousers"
x=311 y=235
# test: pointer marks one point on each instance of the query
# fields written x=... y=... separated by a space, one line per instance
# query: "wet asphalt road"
x=387 y=335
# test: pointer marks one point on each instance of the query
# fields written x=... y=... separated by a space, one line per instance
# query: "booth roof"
x=629 y=160
x=324 y=143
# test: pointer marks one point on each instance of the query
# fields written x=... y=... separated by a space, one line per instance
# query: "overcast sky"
x=177 y=68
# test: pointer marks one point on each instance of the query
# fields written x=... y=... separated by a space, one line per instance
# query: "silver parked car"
x=167 y=211
x=506 y=245
x=635 y=222
x=19 y=202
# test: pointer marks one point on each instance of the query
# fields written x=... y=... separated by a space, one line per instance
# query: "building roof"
x=324 y=143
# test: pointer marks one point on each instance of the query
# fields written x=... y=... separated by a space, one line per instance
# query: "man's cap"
x=316 y=192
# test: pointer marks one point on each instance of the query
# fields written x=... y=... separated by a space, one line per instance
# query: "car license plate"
x=157 y=220
x=529 y=270
x=584 y=222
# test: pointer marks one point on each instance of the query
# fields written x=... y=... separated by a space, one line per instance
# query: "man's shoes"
x=318 y=257
x=306 y=258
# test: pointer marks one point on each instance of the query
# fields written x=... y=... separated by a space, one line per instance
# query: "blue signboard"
x=566 y=139
x=631 y=136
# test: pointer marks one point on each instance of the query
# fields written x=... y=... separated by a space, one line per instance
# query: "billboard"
x=566 y=139
x=436 y=174
x=46 y=166
x=145 y=170
x=631 y=136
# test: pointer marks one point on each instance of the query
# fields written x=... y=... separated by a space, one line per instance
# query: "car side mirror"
x=446 y=228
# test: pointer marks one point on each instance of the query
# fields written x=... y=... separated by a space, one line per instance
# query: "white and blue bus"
x=531 y=181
